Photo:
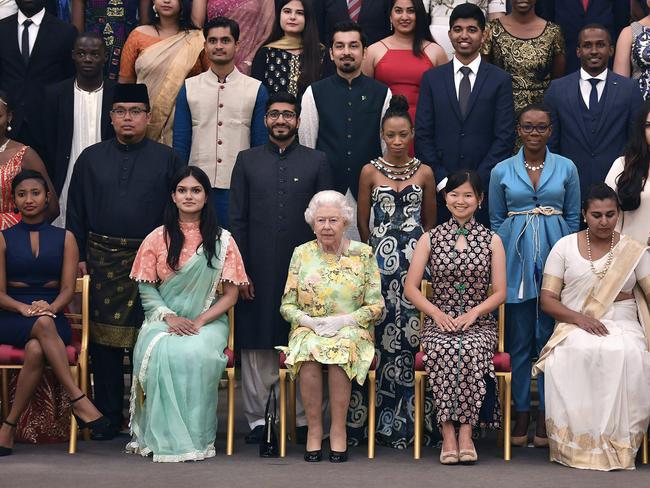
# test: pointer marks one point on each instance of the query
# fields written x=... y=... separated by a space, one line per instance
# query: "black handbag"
x=269 y=442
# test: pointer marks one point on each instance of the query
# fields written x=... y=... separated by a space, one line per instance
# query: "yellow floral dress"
x=322 y=285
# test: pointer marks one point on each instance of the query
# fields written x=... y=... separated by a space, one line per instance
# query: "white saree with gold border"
x=598 y=388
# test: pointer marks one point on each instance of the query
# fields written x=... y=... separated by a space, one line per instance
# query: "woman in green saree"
x=178 y=358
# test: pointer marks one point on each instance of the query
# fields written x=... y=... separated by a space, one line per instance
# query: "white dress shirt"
x=33 y=29
x=87 y=130
x=7 y=8
x=585 y=85
x=458 y=76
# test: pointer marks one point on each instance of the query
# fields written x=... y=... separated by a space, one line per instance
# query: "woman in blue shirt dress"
x=534 y=200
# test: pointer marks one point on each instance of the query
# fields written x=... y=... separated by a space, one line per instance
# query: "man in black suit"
x=465 y=114
x=34 y=52
x=372 y=15
x=573 y=15
x=76 y=113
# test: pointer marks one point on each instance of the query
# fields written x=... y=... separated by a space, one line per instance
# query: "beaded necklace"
x=531 y=167
x=610 y=257
x=396 y=172
x=4 y=146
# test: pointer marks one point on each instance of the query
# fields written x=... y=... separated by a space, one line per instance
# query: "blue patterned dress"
x=641 y=57
x=397 y=228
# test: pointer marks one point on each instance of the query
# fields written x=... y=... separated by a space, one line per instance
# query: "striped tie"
x=354 y=9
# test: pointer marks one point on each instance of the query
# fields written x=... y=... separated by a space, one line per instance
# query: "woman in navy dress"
x=38 y=264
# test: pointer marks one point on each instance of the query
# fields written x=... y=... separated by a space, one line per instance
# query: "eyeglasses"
x=528 y=129
x=287 y=115
x=120 y=113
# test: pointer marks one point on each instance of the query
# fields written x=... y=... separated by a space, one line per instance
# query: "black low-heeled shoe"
x=338 y=457
x=314 y=456
x=101 y=428
x=6 y=451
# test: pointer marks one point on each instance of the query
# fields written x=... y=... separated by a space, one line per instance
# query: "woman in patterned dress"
x=402 y=193
x=292 y=57
x=633 y=54
x=460 y=334
x=332 y=300
x=530 y=49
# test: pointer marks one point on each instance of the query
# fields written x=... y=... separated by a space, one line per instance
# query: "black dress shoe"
x=6 y=451
x=255 y=435
x=314 y=456
x=338 y=457
x=101 y=428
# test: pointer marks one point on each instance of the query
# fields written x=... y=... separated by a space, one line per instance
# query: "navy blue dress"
x=23 y=267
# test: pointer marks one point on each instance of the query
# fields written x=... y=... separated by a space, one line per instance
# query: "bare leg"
x=465 y=442
x=44 y=331
x=311 y=392
x=339 y=394
x=28 y=379
x=449 y=442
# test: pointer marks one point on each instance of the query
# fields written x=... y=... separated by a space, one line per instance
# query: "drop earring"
x=8 y=128
x=155 y=12
x=16 y=210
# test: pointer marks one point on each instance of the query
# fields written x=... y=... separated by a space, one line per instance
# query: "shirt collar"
x=234 y=74
x=354 y=81
x=586 y=76
x=36 y=18
x=276 y=149
x=76 y=87
x=130 y=147
x=474 y=65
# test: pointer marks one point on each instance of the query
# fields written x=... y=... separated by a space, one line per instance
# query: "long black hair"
x=312 y=51
x=210 y=230
x=421 y=31
x=184 y=16
x=632 y=180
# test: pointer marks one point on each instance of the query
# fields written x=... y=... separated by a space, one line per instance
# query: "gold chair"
x=503 y=372
x=284 y=374
x=644 y=449
x=11 y=358
x=229 y=351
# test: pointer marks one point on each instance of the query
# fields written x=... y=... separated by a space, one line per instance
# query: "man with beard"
x=341 y=114
x=592 y=109
x=270 y=189
x=219 y=113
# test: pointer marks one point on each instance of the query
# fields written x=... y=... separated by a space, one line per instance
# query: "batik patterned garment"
x=459 y=364
x=641 y=57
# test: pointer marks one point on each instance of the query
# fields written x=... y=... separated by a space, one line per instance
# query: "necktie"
x=593 y=95
x=464 y=90
x=354 y=9
x=24 y=45
x=585 y=4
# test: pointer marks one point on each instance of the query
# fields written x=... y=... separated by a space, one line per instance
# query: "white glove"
x=329 y=326
x=307 y=321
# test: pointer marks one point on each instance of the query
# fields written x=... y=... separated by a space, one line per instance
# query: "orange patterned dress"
x=47 y=417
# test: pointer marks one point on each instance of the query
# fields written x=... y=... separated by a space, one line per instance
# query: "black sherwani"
x=269 y=192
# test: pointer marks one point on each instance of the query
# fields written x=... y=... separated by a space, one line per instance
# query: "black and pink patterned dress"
x=459 y=364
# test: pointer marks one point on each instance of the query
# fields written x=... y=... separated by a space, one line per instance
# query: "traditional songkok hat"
x=131 y=93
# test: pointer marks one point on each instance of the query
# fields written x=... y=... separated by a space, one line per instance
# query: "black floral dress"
x=459 y=364
x=277 y=69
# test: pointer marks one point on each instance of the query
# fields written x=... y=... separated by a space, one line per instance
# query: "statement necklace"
x=396 y=172
x=4 y=146
x=610 y=257
x=533 y=168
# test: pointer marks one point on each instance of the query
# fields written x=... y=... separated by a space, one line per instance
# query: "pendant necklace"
x=396 y=172
x=4 y=146
x=610 y=257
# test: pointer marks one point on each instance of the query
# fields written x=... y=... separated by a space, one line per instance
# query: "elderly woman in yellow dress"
x=332 y=301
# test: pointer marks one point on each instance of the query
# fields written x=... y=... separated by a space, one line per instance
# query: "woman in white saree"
x=597 y=365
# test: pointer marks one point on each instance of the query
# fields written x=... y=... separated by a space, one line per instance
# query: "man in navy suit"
x=592 y=109
x=465 y=113
x=573 y=15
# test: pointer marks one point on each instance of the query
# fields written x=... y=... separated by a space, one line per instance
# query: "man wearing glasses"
x=271 y=187
x=117 y=196
x=219 y=113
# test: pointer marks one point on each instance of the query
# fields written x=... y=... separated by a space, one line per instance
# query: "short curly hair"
x=329 y=197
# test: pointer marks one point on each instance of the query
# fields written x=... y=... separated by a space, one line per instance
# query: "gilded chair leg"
x=644 y=449
x=5 y=393
x=500 y=386
x=230 y=433
x=72 y=447
x=372 y=398
x=417 y=442
x=292 y=411
x=283 y=411
x=507 y=413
